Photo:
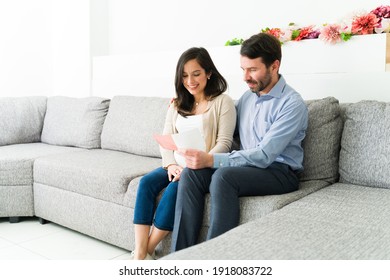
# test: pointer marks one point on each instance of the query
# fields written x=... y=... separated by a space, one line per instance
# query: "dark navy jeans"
x=149 y=188
x=225 y=186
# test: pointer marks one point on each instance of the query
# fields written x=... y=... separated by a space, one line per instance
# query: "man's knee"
x=186 y=181
x=195 y=180
x=221 y=180
x=223 y=174
x=190 y=175
x=185 y=173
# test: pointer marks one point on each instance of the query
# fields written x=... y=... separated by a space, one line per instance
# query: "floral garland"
x=376 y=21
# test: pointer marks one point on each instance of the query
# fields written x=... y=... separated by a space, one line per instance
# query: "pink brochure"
x=165 y=141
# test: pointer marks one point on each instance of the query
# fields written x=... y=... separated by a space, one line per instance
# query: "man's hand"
x=196 y=159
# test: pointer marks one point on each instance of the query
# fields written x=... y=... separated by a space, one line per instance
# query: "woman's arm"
x=169 y=128
x=226 y=123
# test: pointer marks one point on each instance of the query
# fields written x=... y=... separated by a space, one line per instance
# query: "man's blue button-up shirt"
x=271 y=128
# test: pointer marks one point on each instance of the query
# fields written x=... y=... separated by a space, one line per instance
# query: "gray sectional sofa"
x=347 y=220
x=78 y=161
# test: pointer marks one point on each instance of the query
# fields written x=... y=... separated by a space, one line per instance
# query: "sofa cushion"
x=106 y=221
x=16 y=161
x=131 y=122
x=254 y=207
x=322 y=142
x=16 y=201
x=21 y=119
x=101 y=174
x=365 y=144
x=74 y=122
x=340 y=222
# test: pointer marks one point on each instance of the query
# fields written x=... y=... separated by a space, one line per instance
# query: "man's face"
x=257 y=75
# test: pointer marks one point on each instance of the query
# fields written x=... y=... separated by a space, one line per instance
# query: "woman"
x=199 y=103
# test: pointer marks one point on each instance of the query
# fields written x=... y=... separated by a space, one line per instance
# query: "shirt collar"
x=278 y=88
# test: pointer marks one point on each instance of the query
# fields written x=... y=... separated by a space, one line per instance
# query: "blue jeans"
x=149 y=188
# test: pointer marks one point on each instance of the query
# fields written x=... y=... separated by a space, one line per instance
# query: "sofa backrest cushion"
x=131 y=122
x=74 y=122
x=322 y=142
x=365 y=145
x=21 y=119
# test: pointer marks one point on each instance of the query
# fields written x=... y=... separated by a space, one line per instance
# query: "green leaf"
x=234 y=42
x=265 y=30
x=295 y=34
x=345 y=36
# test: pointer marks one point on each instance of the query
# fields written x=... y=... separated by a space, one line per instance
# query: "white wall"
x=350 y=72
x=24 y=47
x=47 y=46
x=149 y=25
x=147 y=37
x=70 y=48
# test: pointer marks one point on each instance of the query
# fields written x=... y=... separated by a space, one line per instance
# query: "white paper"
x=190 y=139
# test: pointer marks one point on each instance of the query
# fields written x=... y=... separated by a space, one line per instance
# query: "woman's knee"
x=153 y=176
x=153 y=182
x=171 y=191
x=145 y=184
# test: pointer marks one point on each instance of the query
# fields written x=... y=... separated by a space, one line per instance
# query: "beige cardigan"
x=219 y=121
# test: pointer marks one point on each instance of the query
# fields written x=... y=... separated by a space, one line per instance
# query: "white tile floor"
x=30 y=240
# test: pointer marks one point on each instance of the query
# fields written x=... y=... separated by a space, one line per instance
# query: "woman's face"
x=194 y=78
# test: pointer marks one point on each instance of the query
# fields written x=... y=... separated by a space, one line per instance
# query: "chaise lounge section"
x=348 y=220
x=21 y=123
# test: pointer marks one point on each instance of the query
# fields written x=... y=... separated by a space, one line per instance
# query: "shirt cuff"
x=221 y=160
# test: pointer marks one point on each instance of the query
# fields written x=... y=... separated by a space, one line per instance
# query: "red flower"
x=365 y=24
x=307 y=33
x=277 y=32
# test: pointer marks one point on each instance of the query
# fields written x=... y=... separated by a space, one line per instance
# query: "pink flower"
x=365 y=24
x=382 y=12
x=285 y=36
x=331 y=33
x=384 y=26
x=377 y=21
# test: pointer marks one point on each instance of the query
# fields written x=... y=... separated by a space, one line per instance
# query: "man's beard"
x=261 y=85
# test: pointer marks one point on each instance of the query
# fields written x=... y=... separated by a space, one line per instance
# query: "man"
x=271 y=121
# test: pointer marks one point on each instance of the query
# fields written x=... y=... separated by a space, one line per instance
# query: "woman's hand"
x=174 y=172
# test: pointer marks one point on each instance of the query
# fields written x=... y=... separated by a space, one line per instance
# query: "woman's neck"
x=199 y=100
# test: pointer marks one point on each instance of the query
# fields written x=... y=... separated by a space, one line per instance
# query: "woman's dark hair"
x=262 y=45
x=215 y=86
